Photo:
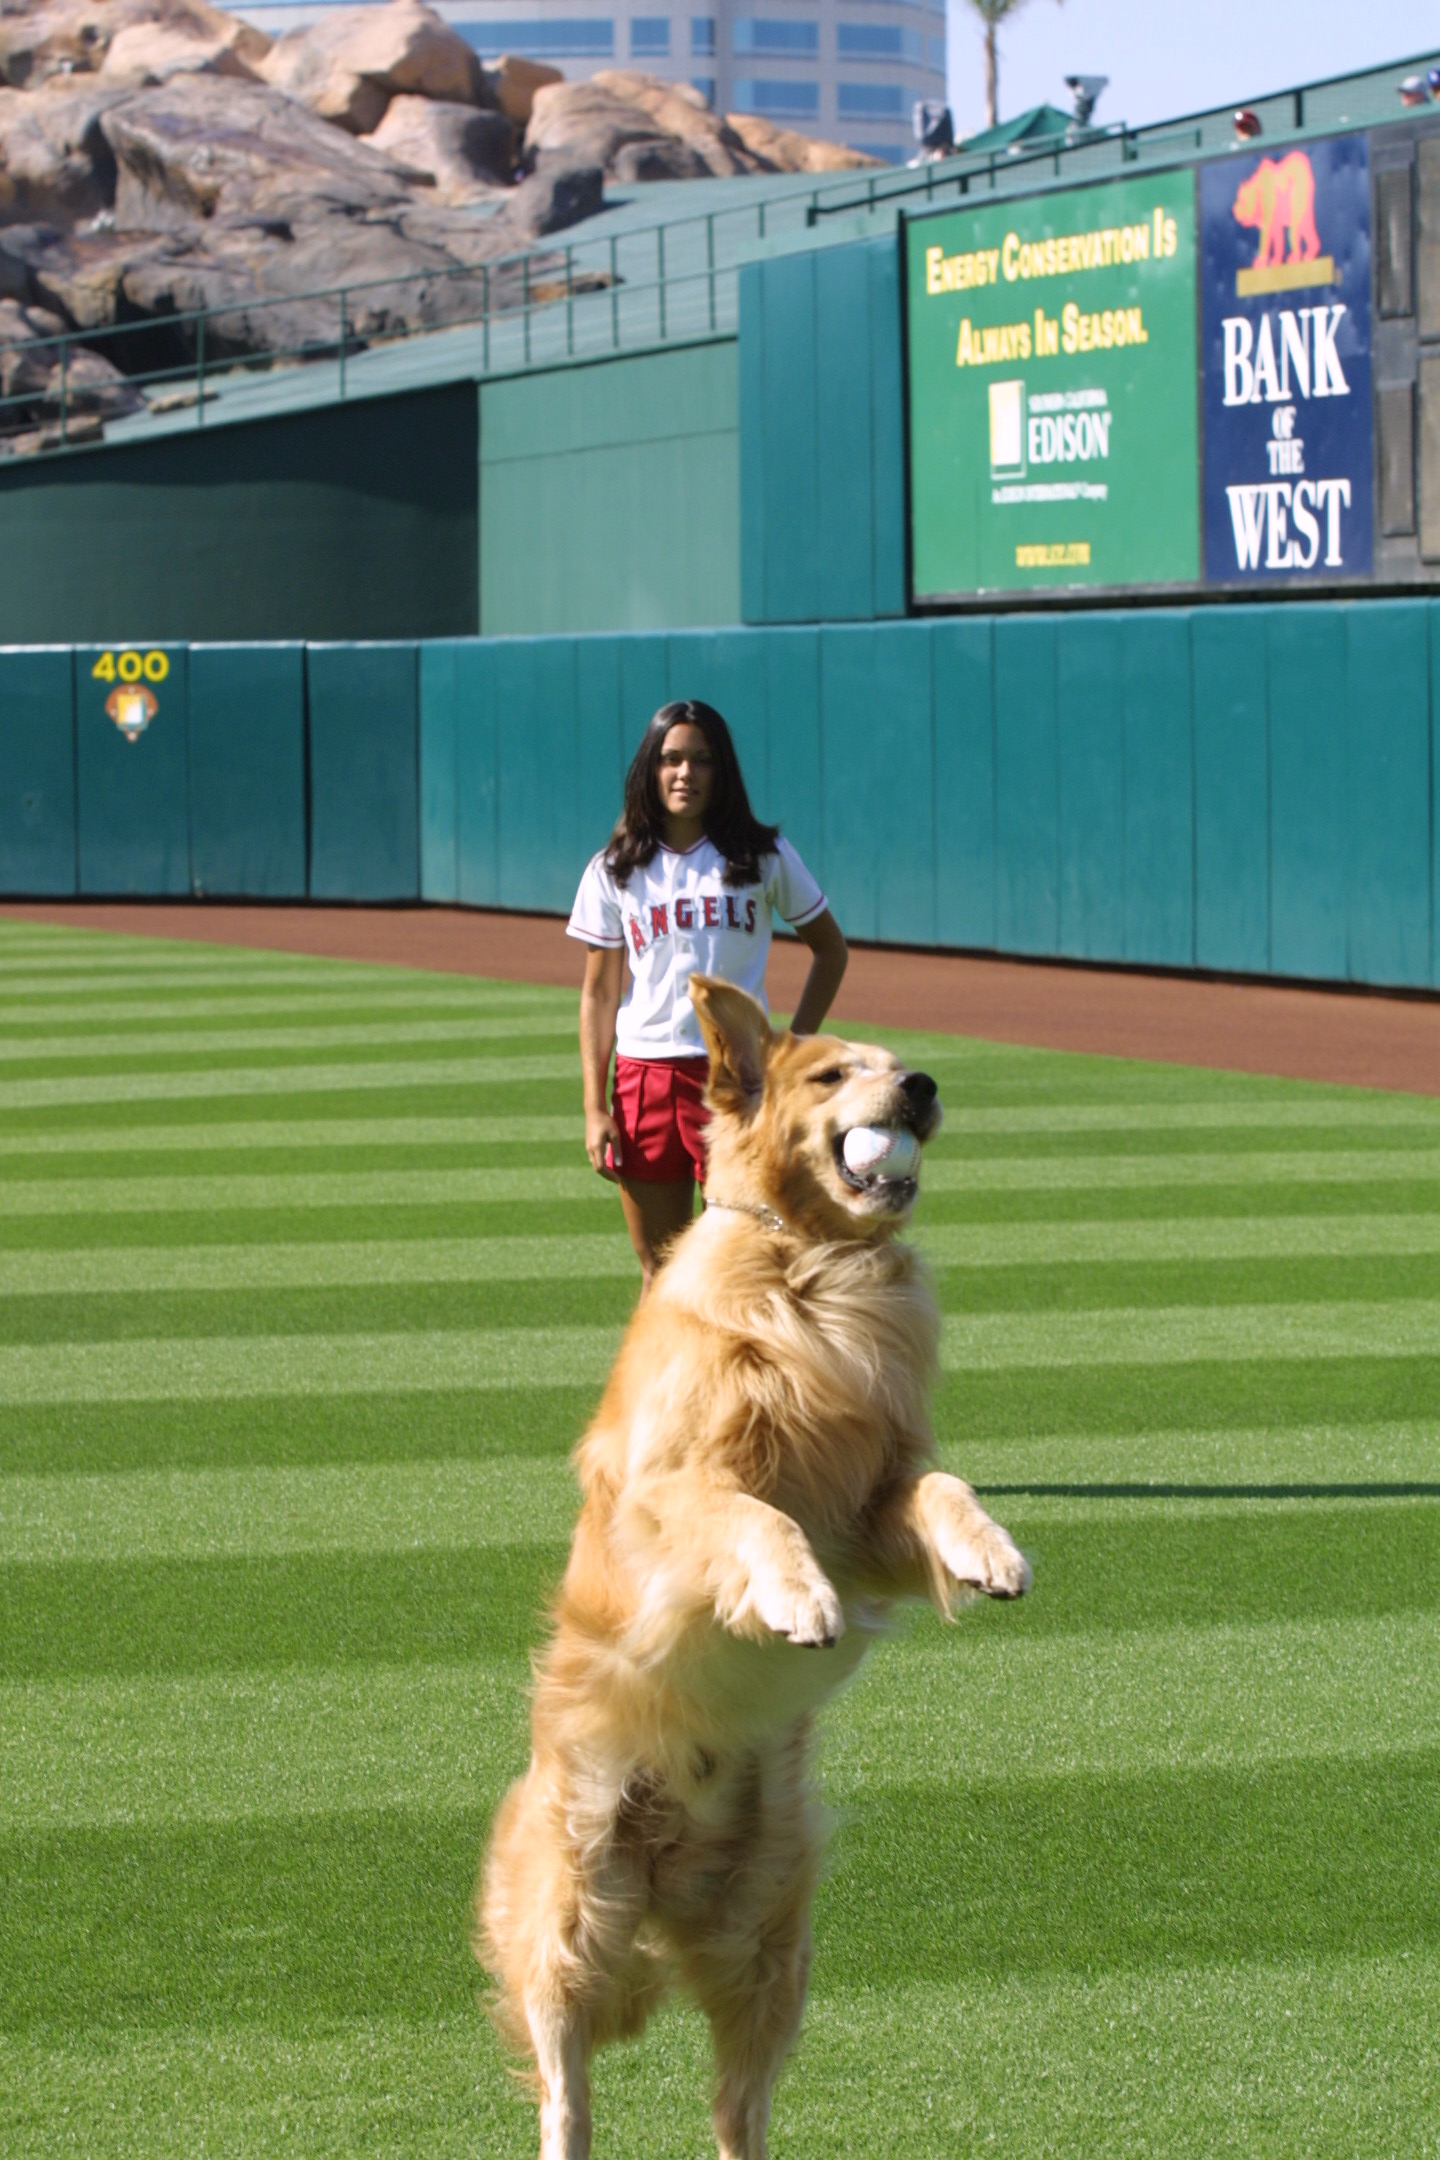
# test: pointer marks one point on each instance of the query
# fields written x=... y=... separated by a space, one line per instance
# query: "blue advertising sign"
x=1285 y=344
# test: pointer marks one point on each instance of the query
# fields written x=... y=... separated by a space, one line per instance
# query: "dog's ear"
x=737 y=1036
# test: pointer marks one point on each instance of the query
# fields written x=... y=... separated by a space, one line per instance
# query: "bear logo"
x=1279 y=199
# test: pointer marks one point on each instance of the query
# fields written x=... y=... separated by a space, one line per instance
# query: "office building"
x=848 y=70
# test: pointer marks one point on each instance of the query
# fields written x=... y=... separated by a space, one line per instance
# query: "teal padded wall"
x=364 y=772
x=542 y=844
x=1159 y=756
x=37 y=770
x=439 y=770
x=132 y=783
x=963 y=666
x=1232 y=789
x=1027 y=807
x=1090 y=786
x=1309 y=836
x=1387 y=698
x=794 y=758
x=247 y=771
x=610 y=494
x=822 y=467
x=1247 y=789
x=1251 y=789
x=477 y=776
x=877 y=780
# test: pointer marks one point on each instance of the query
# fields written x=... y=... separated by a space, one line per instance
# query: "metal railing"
x=533 y=308
x=626 y=289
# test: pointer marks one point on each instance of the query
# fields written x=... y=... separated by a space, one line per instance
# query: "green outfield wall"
x=822 y=436
x=354 y=520
x=610 y=495
x=1241 y=788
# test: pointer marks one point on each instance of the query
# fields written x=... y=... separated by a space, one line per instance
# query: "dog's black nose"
x=919 y=1091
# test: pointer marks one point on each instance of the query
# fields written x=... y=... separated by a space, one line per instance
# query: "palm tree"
x=992 y=13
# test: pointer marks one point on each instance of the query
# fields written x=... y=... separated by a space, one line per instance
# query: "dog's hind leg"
x=748 y=1962
x=561 y=2047
x=754 y=1998
x=563 y=1895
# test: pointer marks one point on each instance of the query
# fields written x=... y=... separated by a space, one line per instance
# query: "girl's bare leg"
x=654 y=1215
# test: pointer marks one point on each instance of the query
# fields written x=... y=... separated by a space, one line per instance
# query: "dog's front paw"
x=807 y=1612
x=817 y=1619
x=982 y=1556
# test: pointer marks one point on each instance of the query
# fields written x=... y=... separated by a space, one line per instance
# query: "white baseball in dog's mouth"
x=880 y=1159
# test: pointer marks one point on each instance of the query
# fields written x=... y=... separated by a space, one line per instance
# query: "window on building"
x=586 y=38
x=880 y=41
x=892 y=153
x=705 y=84
x=702 y=36
x=872 y=101
x=935 y=54
x=755 y=34
x=778 y=100
x=650 y=37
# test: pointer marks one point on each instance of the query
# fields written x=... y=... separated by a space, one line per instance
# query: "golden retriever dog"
x=757 y=1493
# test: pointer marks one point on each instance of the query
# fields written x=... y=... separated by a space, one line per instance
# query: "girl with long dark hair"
x=687 y=885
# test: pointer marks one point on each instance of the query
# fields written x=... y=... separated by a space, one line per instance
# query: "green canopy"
x=1037 y=126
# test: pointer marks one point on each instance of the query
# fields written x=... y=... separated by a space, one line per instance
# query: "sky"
x=1165 y=58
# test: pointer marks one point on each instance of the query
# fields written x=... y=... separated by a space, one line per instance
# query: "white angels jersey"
x=676 y=917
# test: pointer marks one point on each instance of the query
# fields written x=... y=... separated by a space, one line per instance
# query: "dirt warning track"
x=1362 y=1038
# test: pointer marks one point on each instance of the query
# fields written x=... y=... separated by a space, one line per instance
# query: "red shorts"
x=657 y=1106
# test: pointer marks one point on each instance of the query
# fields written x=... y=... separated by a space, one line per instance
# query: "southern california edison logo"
x=132 y=706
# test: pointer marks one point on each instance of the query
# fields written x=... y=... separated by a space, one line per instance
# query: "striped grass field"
x=304 y=1293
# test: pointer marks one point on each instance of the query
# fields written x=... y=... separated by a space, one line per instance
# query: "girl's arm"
x=830 y=956
x=599 y=1004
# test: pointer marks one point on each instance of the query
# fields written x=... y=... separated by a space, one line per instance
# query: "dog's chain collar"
x=762 y=1214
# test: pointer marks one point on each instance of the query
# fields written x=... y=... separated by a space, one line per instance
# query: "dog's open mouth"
x=880 y=1161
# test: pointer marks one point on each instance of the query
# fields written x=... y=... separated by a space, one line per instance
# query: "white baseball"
x=871 y=1150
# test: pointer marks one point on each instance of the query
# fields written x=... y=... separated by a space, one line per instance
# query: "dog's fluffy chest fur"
x=794 y=1375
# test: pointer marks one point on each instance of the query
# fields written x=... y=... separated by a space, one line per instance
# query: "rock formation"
x=349 y=65
x=159 y=158
x=466 y=154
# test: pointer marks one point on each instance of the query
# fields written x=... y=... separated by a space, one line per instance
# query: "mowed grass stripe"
x=1280 y=1459
x=166 y=1368
x=249 y=1080
x=344 y=1264
x=235 y=1514
x=304 y=1001
x=268 y=1511
x=1068 y=1173
x=214 y=1747
x=40 y=974
x=417 y=1363
x=1194 y=1237
x=296 y=1133
x=137 y=1194
x=1102 y=1568
x=133 y=1190
x=1282 y=1112
x=305 y=1034
x=1163 y=1335
x=358 y=1263
x=240 y=1132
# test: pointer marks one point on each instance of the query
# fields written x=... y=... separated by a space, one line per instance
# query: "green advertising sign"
x=1052 y=391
